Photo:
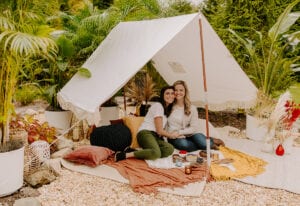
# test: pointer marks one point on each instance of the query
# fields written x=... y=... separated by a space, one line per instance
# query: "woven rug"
x=281 y=172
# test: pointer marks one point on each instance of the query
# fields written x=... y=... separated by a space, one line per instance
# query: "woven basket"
x=31 y=161
x=35 y=154
x=41 y=149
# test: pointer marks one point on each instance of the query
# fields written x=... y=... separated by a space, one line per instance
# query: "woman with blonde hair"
x=184 y=120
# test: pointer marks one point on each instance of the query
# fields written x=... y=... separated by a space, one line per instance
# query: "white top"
x=156 y=110
x=185 y=125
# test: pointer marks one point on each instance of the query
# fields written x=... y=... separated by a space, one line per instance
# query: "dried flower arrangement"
x=263 y=107
x=141 y=88
x=292 y=114
x=285 y=113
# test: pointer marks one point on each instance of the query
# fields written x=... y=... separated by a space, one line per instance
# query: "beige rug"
x=192 y=189
x=281 y=172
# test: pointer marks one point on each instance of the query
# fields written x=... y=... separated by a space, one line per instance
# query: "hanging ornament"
x=279 y=150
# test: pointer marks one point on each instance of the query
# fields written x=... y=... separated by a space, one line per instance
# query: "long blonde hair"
x=187 y=102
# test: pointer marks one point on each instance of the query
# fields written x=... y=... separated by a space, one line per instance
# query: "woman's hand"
x=175 y=135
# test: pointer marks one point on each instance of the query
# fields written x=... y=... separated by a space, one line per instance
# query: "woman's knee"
x=181 y=144
x=155 y=154
x=200 y=140
x=167 y=151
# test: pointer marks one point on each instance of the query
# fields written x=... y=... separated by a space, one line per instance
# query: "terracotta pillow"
x=89 y=155
x=133 y=123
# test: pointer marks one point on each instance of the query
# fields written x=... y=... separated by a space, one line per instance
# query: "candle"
x=191 y=158
x=188 y=169
x=175 y=157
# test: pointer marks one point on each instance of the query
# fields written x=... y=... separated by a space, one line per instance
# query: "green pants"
x=153 y=146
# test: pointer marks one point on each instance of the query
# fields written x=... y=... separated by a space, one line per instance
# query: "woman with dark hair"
x=184 y=120
x=151 y=132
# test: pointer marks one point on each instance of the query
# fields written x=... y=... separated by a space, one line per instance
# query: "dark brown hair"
x=167 y=108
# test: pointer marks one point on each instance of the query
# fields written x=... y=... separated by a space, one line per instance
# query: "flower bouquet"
x=282 y=119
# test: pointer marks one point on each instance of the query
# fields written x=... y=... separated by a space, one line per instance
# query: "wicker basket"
x=35 y=154
x=41 y=149
x=31 y=161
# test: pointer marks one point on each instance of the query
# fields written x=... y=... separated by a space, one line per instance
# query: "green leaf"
x=84 y=72
x=294 y=38
x=285 y=21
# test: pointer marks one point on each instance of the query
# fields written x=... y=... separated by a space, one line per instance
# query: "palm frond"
x=25 y=44
x=285 y=21
x=6 y=24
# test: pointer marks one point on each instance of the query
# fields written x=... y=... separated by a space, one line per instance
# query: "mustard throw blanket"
x=245 y=165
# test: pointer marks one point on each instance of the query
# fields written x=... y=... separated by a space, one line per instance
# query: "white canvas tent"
x=173 y=44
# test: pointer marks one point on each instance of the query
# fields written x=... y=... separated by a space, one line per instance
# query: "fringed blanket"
x=146 y=180
x=244 y=164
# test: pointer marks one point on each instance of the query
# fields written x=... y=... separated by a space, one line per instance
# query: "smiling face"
x=169 y=96
x=179 y=92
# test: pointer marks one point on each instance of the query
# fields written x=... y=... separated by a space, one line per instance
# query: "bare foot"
x=218 y=142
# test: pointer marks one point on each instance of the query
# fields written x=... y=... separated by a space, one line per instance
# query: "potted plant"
x=35 y=129
x=256 y=117
x=273 y=55
x=141 y=89
x=20 y=41
x=267 y=55
x=58 y=74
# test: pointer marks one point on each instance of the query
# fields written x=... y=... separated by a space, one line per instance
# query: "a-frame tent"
x=173 y=44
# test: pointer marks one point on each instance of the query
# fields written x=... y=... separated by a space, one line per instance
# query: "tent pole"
x=206 y=102
x=124 y=96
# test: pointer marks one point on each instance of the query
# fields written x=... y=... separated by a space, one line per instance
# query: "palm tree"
x=24 y=37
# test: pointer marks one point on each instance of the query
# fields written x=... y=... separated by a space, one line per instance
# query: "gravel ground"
x=72 y=188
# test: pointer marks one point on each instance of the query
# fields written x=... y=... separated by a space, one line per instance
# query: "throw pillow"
x=133 y=123
x=115 y=137
x=116 y=121
x=89 y=155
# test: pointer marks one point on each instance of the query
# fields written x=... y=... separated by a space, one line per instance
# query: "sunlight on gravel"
x=73 y=188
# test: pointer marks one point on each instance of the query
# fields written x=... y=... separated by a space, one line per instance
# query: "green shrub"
x=26 y=94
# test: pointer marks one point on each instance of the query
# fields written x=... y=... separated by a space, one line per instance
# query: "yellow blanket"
x=245 y=165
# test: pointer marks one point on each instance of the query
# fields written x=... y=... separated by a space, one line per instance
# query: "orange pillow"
x=89 y=155
x=133 y=123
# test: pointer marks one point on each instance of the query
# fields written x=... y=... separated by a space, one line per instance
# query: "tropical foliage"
x=24 y=37
x=247 y=16
x=272 y=68
x=58 y=73
x=43 y=43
